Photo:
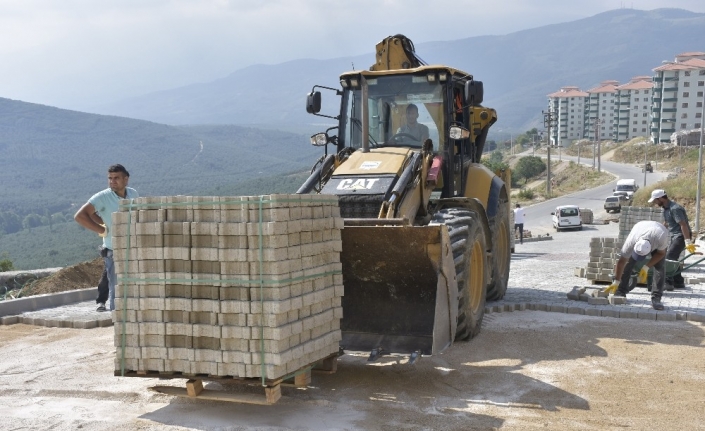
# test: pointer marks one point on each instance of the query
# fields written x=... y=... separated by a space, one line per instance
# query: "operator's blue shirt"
x=105 y=204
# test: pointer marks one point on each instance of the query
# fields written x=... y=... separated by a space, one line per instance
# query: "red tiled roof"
x=569 y=91
x=637 y=85
x=605 y=87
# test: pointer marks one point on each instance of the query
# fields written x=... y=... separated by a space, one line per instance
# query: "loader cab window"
x=389 y=100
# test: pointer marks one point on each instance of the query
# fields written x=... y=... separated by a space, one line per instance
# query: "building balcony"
x=669 y=109
x=668 y=130
x=674 y=89
x=670 y=99
x=671 y=78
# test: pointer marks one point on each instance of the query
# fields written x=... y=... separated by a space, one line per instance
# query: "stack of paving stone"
x=632 y=215
x=586 y=216
x=227 y=286
x=604 y=252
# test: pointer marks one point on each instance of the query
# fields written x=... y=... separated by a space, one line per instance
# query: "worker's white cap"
x=641 y=249
x=658 y=193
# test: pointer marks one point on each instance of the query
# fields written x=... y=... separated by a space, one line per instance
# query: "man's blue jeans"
x=112 y=278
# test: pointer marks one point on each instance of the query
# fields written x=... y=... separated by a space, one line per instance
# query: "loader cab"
x=438 y=94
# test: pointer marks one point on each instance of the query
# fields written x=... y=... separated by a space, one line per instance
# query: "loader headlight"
x=457 y=132
x=319 y=139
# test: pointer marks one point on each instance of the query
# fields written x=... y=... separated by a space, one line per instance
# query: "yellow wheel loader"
x=426 y=238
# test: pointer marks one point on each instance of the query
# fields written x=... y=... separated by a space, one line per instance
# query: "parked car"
x=567 y=217
x=613 y=203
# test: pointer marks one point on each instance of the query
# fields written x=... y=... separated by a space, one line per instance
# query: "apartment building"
x=632 y=111
x=599 y=111
x=678 y=97
x=568 y=104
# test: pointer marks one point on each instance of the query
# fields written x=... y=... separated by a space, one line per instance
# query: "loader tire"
x=468 y=243
x=501 y=254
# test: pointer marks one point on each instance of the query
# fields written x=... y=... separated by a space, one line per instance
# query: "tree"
x=494 y=162
x=6 y=263
x=529 y=167
x=32 y=220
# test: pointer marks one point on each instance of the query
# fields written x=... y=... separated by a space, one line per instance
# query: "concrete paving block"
x=556 y=308
x=668 y=316
x=208 y=343
x=598 y=301
x=177 y=366
x=518 y=307
x=177 y=304
x=612 y=312
x=206 y=355
x=242 y=241
x=9 y=320
x=211 y=331
x=204 y=318
x=85 y=324
x=592 y=312
x=541 y=307
x=210 y=368
x=153 y=352
x=617 y=300
x=575 y=293
x=585 y=297
x=646 y=314
x=628 y=314
x=234 y=344
x=681 y=315
x=696 y=317
x=104 y=322
x=508 y=307
x=576 y=310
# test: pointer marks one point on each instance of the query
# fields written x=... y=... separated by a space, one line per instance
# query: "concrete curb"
x=50 y=300
x=610 y=311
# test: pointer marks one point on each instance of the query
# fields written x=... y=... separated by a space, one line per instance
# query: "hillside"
x=53 y=159
x=524 y=66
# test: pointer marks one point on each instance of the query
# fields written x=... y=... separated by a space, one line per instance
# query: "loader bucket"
x=400 y=289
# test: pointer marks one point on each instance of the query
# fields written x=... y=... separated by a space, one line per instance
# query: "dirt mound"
x=79 y=276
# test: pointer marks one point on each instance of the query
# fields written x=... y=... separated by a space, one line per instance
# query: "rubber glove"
x=105 y=232
x=690 y=246
x=612 y=288
x=643 y=274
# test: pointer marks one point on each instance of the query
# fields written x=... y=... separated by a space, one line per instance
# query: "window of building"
x=698 y=115
x=646 y=114
x=645 y=91
x=635 y=122
x=701 y=72
x=683 y=125
x=698 y=104
x=643 y=130
x=687 y=73
x=700 y=94
x=636 y=114
x=603 y=114
x=686 y=94
x=636 y=99
x=684 y=105
x=634 y=129
x=643 y=122
x=686 y=84
x=701 y=83
x=636 y=92
x=697 y=125
x=684 y=115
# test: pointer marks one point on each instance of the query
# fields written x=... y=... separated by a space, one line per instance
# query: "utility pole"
x=549 y=120
x=700 y=172
x=597 y=138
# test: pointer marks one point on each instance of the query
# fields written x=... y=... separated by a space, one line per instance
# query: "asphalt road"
x=538 y=216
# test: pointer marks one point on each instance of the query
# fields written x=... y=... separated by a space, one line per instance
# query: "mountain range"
x=518 y=71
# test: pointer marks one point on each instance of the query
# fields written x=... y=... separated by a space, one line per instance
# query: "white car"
x=567 y=217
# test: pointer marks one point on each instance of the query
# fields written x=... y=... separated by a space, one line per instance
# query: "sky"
x=76 y=54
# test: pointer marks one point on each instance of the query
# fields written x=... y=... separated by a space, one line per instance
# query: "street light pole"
x=549 y=120
x=700 y=171
x=645 y=152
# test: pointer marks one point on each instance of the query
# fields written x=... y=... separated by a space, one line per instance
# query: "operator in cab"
x=412 y=126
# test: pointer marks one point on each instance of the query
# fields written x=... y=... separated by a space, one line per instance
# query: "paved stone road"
x=541 y=275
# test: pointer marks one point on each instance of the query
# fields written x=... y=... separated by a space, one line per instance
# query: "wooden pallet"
x=272 y=387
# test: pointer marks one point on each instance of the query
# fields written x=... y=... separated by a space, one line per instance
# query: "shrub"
x=526 y=194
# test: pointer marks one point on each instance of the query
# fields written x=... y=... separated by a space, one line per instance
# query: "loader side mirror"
x=474 y=92
x=313 y=102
